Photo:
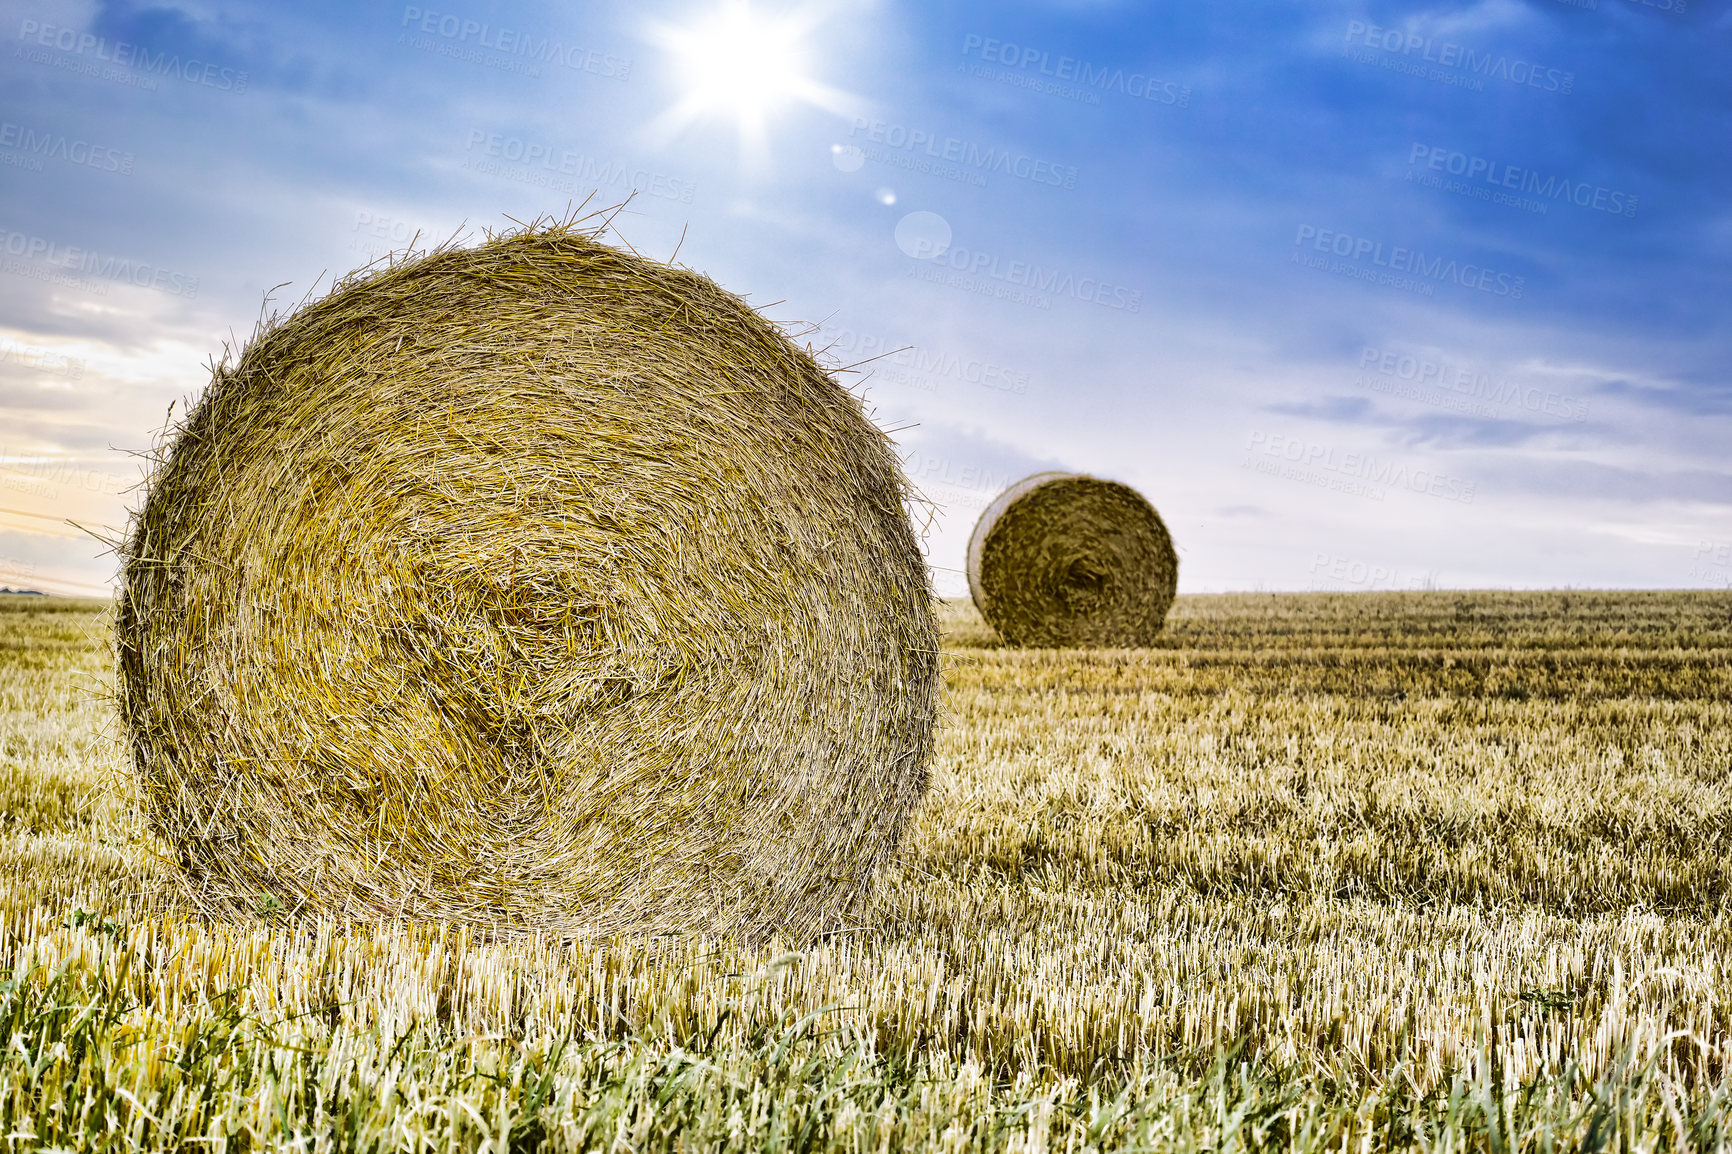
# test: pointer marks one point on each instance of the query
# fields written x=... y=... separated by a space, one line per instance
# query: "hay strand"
x=1066 y=560
x=534 y=585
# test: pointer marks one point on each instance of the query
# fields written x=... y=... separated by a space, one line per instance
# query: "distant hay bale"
x=534 y=585
x=1061 y=559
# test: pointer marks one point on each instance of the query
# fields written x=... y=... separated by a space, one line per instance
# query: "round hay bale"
x=1062 y=559
x=534 y=585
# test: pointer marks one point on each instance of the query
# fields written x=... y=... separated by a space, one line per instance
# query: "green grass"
x=1432 y=871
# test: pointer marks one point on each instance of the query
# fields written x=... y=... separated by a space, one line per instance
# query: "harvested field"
x=1431 y=870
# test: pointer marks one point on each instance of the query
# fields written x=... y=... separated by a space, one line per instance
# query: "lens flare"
x=738 y=63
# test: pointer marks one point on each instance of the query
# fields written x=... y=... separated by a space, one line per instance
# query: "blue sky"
x=1360 y=295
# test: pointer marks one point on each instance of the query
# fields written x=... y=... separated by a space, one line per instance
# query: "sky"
x=1361 y=296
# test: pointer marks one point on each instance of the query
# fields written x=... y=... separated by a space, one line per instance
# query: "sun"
x=742 y=64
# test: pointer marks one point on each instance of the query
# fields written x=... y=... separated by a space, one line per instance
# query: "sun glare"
x=734 y=62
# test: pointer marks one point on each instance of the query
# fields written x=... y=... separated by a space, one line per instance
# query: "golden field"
x=1325 y=871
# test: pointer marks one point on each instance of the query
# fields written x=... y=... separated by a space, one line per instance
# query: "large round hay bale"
x=534 y=585
x=1062 y=559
